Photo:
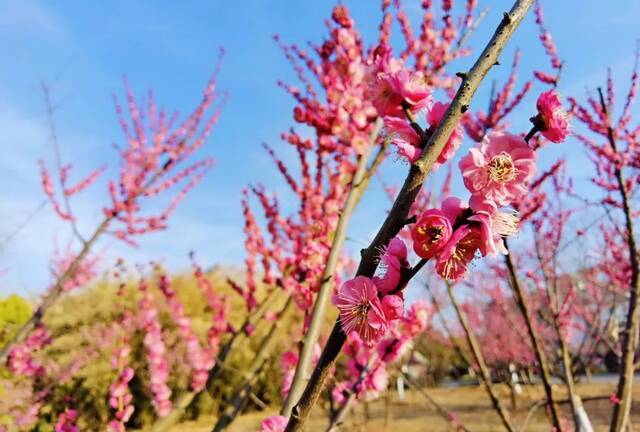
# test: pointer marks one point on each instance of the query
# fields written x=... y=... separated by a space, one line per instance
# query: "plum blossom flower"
x=407 y=141
x=394 y=260
x=453 y=209
x=392 y=307
x=360 y=308
x=362 y=311
x=454 y=259
x=430 y=233
x=614 y=399
x=434 y=116
x=276 y=423
x=156 y=353
x=374 y=383
x=552 y=119
x=499 y=168
x=404 y=138
x=21 y=359
x=393 y=89
x=494 y=225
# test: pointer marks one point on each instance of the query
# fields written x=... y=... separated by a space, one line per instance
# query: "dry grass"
x=415 y=414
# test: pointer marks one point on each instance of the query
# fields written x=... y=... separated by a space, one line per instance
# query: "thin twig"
x=483 y=370
x=53 y=135
x=535 y=339
x=439 y=409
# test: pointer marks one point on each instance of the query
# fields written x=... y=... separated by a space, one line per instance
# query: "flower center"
x=433 y=232
x=461 y=256
x=362 y=309
x=501 y=168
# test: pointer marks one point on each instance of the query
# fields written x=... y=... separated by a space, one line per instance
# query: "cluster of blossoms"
x=158 y=365
x=219 y=308
x=156 y=159
x=21 y=360
x=552 y=119
x=496 y=171
x=368 y=306
x=200 y=359
x=367 y=364
x=120 y=398
x=86 y=270
x=401 y=94
x=345 y=87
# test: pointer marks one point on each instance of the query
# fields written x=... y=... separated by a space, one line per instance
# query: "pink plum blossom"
x=404 y=138
x=430 y=233
x=417 y=317
x=499 y=168
x=394 y=260
x=362 y=311
x=434 y=116
x=494 y=225
x=67 y=421
x=390 y=90
x=391 y=349
x=552 y=119
x=339 y=391
x=375 y=383
x=458 y=252
x=288 y=363
x=453 y=208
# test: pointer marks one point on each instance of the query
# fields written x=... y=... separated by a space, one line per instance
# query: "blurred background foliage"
x=84 y=329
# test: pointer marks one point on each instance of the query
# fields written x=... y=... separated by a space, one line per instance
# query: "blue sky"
x=84 y=48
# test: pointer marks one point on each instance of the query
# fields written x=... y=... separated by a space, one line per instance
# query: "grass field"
x=416 y=414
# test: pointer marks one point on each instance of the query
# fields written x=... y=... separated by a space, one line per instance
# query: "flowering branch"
x=407 y=195
x=359 y=184
x=186 y=398
x=147 y=168
x=621 y=411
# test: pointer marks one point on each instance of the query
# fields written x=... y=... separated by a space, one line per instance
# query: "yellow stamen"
x=501 y=168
